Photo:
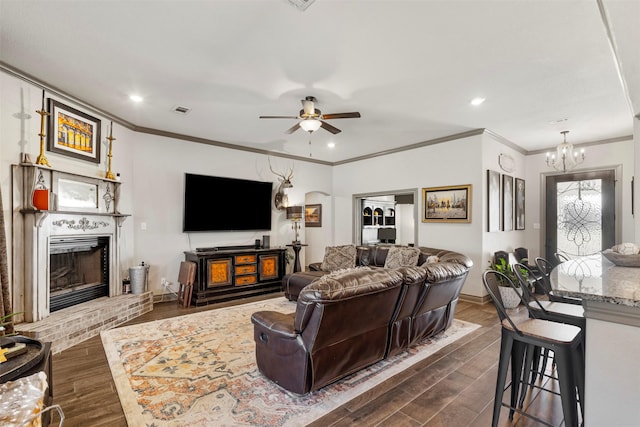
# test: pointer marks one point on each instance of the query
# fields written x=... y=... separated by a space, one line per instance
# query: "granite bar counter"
x=611 y=300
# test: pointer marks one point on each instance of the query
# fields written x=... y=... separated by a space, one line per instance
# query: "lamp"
x=565 y=158
x=294 y=213
x=310 y=125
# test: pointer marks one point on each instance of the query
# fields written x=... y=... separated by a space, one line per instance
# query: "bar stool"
x=545 y=267
x=571 y=314
x=518 y=340
x=186 y=277
x=560 y=257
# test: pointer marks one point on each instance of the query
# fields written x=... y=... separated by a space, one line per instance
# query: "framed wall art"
x=313 y=215
x=447 y=204
x=493 y=200
x=519 y=203
x=507 y=203
x=73 y=133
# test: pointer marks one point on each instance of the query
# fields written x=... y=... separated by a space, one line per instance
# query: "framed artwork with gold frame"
x=447 y=204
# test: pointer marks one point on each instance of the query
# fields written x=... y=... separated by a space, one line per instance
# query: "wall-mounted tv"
x=213 y=203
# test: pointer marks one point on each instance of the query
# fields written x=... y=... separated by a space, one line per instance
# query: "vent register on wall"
x=214 y=203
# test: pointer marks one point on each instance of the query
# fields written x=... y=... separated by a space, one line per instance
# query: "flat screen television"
x=213 y=203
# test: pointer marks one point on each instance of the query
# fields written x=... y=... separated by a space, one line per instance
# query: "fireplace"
x=68 y=254
x=79 y=270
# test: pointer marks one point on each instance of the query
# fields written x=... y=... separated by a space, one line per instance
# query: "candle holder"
x=42 y=159
x=110 y=174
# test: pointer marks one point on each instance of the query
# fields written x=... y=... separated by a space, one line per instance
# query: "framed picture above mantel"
x=73 y=133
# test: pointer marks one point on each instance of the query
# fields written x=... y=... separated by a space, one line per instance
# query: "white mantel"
x=95 y=214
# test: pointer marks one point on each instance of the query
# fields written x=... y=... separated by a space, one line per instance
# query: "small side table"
x=296 y=246
x=36 y=359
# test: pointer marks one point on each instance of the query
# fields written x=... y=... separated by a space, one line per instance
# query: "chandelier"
x=565 y=157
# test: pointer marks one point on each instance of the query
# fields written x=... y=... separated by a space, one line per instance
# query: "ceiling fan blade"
x=293 y=128
x=278 y=117
x=354 y=115
x=327 y=126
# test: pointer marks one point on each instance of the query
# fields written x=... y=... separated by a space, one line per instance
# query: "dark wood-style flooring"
x=454 y=387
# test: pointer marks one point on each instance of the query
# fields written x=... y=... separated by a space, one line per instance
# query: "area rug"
x=200 y=370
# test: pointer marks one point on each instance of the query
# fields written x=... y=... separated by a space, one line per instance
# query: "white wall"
x=157 y=184
x=317 y=238
x=152 y=172
x=451 y=163
x=608 y=156
x=501 y=240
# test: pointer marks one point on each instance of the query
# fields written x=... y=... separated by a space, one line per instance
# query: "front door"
x=580 y=214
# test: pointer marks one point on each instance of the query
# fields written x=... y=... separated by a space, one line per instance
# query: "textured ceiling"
x=409 y=67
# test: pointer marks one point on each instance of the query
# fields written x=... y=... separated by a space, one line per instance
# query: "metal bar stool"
x=186 y=277
x=560 y=257
x=554 y=311
x=545 y=267
x=566 y=342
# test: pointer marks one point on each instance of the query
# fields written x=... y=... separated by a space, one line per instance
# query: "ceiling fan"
x=312 y=119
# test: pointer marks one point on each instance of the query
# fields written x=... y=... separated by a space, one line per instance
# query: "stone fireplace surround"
x=79 y=206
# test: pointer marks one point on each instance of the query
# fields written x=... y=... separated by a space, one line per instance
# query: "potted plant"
x=510 y=297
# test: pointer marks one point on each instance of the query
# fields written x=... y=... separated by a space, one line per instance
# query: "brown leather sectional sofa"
x=376 y=256
x=348 y=320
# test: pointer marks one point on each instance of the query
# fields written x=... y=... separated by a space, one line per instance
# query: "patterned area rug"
x=200 y=370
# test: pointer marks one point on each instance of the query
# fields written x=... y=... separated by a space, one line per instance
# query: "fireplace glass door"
x=79 y=270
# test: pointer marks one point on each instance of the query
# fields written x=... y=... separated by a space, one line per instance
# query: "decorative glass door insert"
x=580 y=218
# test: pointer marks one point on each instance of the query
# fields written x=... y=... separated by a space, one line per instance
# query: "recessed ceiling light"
x=477 y=101
x=135 y=98
x=331 y=144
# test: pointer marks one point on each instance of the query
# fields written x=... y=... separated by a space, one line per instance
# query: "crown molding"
x=585 y=144
x=412 y=146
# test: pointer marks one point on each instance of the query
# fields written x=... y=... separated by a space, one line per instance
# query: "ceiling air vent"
x=181 y=110
x=301 y=4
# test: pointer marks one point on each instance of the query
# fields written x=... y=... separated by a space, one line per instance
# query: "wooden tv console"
x=228 y=273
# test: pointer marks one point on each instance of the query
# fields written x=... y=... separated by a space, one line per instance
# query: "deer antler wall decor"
x=280 y=200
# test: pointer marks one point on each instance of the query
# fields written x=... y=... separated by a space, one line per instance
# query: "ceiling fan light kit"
x=310 y=125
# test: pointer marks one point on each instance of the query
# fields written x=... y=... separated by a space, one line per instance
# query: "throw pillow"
x=339 y=258
x=399 y=256
x=432 y=259
x=626 y=248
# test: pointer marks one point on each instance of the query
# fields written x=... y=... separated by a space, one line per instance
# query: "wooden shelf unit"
x=237 y=272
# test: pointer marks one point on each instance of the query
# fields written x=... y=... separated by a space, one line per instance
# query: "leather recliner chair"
x=341 y=325
x=435 y=311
